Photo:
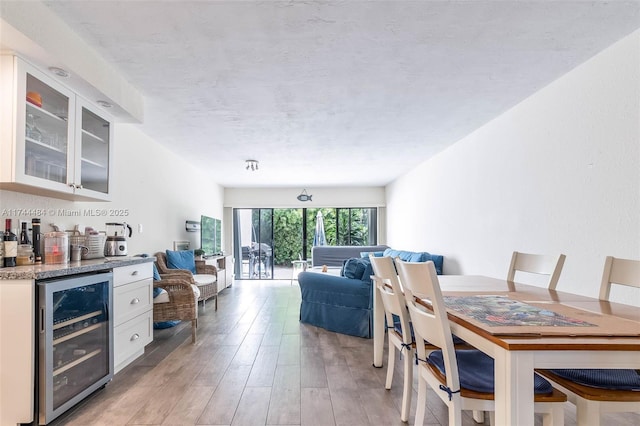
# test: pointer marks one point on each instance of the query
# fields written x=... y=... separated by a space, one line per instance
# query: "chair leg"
x=194 y=325
x=555 y=417
x=216 y=302
x=478 y=416
x=422 y=401
x=455 y=414
x=492 y=418
x=390 y=365
x=406 y=390
x=587 y=413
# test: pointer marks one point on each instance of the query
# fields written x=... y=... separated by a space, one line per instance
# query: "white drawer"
x=131 y=300
x=128 y=274
x=132 y=337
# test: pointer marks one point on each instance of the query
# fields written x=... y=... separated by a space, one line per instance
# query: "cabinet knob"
x=72 y=185
x=134 y=273
x=135 y=301
x=79 y=186
x=135 y=337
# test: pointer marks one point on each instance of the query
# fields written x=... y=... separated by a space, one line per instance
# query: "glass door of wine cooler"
x=75 y=341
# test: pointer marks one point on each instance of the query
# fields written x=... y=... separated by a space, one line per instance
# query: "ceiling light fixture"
x=251 y=165
x=104 y=104
x=60 y=72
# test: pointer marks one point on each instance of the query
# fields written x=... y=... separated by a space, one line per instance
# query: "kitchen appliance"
x=116 y=244
x=56 y=247
x=75 y=341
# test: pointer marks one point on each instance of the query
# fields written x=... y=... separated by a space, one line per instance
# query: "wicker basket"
x=95 y=244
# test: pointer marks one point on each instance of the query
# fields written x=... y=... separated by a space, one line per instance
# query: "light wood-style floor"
x=256 y=364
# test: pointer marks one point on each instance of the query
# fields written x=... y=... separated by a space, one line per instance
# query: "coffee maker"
x=116 y=244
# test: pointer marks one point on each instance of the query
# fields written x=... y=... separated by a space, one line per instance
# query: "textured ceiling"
x=327 y=93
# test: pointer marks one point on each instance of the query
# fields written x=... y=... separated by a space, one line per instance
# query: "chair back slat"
x=387 y=283
x=537 y=264
x=429 y=326
x=619 y=271
x=384 y=268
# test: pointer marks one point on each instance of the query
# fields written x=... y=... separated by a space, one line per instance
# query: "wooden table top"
x=612 y=326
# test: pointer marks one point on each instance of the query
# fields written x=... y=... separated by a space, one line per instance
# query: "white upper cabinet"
x=54 y=143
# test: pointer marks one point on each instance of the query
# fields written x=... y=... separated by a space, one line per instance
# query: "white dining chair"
x=598 y=391
x=400 y=340
x=399 y=332
x=619 y=271
x=469 y=380
x=537 y=264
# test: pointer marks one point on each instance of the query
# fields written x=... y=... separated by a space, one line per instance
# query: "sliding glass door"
x=253 y=243
x=267 y=240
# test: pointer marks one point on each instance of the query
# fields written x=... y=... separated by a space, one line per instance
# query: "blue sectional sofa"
x=344 y=304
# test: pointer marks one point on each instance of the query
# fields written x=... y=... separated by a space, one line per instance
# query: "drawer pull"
x=134 y=337
x=134 y=273
x=135 y=301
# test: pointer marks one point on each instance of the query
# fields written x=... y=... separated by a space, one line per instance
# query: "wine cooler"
x=75 y=345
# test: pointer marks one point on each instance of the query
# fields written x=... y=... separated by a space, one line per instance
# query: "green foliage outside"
x=287 y=235
x=350 y=228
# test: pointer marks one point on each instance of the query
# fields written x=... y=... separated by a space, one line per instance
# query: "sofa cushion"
x=412 y=256
x=624 y=379
x=336 y=255
x=368 y=270
x=181 y=259
x=476 y=371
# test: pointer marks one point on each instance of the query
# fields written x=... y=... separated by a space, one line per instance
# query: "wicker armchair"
x=182 y=304
x=201 y=267
x=203 y=279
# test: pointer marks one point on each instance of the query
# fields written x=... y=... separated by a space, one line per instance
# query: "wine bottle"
x=10 y=245
x=35 y=229
x=24 y=236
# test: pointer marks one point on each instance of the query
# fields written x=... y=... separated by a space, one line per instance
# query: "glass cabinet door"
x=94 y=151
x=75 y=344
x=46 y=148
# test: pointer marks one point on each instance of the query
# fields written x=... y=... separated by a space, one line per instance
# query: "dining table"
x=526 y=327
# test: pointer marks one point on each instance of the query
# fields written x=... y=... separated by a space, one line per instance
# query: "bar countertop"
x=43 y=271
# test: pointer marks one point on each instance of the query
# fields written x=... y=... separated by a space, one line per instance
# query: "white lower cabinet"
x=132 y=312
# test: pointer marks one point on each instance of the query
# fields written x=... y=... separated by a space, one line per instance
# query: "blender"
x=116 y=244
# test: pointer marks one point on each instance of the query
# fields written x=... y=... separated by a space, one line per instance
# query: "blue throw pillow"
x=368 y=270
x=410 y=256
x=156 y=274
x=354 y=268
x=365 y=254
x=419 y=257
x=165 y=324
x=182 y=259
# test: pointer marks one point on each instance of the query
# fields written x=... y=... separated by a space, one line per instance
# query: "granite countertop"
x=42 y=271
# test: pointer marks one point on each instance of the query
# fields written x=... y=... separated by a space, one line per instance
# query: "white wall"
x=160 y=191
x=283 y=198
x=558 y=173
x=321 y=197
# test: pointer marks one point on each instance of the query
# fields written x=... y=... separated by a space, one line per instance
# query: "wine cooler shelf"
x=64 y=366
